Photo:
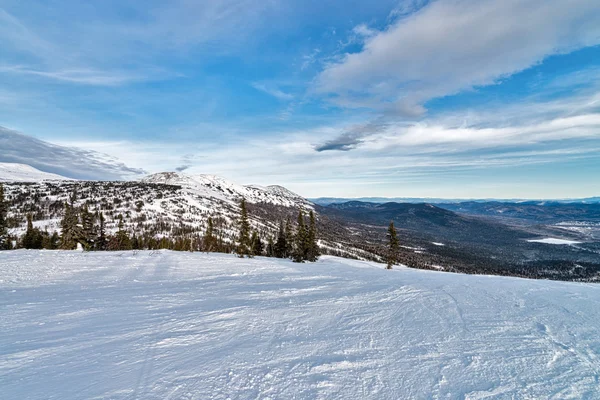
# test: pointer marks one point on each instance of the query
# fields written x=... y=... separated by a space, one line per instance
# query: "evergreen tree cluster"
x=299 y=244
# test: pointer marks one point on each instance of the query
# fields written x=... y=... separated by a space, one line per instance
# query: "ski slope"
x=165 y=325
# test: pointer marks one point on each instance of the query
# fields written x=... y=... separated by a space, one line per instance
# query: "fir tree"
x=33 y=236
x=71 y=231
x=101 y=241
x=300 y=240
x=4 y=242
x=270 y=247
x=257 y=244
x=393 y=246
x=243 y=248
x=121 y=240
x=289 y=239
x=280 y=247
x=313 y=247
x=209 y=239
x=88 y=231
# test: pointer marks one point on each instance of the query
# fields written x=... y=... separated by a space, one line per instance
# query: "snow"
x=437 y=244
x=165 y=325
x=220 y=188
x=554 y=241
x=13 y=172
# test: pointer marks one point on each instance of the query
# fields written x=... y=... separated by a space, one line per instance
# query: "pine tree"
x=71 y=231
x=101 y=241
x=4 y=242
x=270 y=247
x=313 y=247
x=289 y=239
x=280 y=247
x=243 y=248
x=33 y=237
x=121 y=239
x=88 y=229
x=257 y=244
x=300 y=240
x=209 y=239
x=393 y=246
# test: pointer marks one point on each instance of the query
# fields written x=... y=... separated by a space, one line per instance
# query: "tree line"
x=81 y=227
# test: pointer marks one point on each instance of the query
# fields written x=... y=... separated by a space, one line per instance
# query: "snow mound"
x=13 y=172
x=164 y=325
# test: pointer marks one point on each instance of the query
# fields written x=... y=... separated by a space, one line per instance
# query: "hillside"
x=434 y=236
x=13 y=172
x=179 y=325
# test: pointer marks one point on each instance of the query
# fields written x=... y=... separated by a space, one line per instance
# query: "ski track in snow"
x=165 y=325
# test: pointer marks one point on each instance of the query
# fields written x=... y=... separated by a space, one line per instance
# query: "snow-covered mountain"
x=171 y=205
x=213 y=186
x=13 y=172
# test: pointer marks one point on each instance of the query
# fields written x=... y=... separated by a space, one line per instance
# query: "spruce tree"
x=270 y=247
x=243 y=248
x=121 y=239
x=257 y=244
x=88 y=229
x=4 y=242
x=289 y=239
x=300 y=240
x=313 y=247
x=33 y=236
x=209 y=239
x=280 y=247
x=393 y=246
x=101 y=242
x=71 y=231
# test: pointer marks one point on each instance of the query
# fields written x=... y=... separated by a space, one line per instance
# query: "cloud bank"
x=71 y=162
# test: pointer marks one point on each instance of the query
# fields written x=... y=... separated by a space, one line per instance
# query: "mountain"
x=533 y=211
x=325 y=201
x=213 y=186
x=13 y=172
x=432 y=235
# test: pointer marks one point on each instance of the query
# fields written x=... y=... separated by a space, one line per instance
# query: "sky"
x=339 y=98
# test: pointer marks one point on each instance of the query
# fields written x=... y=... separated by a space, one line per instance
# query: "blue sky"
x=446 y=98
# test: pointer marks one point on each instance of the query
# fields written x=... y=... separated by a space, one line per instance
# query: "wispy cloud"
x=272 y=90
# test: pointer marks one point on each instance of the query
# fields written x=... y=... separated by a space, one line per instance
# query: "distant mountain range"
x=324 y=201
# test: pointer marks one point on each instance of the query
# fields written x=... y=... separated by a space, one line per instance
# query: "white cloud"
x=454 y=45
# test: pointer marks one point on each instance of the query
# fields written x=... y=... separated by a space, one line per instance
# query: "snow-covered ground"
x=164 y=325
x=554 y=241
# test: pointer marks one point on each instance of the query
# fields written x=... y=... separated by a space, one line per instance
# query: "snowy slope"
x=222 y=189
x=13 y=172
x=163 y=325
